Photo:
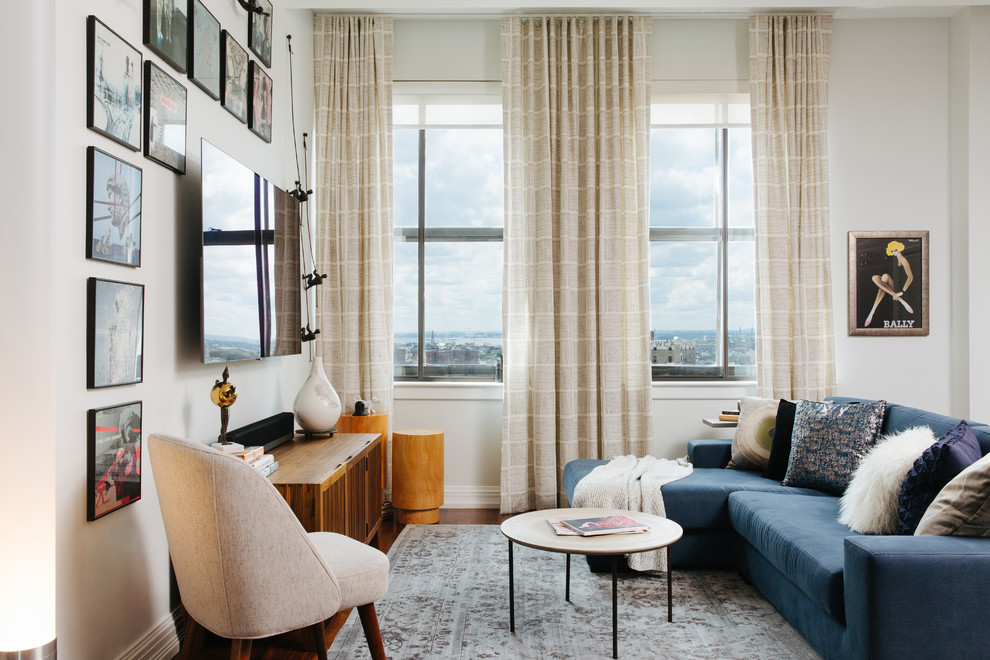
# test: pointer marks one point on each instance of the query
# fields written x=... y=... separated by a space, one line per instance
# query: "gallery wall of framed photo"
x=138 y=99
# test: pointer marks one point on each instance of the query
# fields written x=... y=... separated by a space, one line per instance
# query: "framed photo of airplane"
x=888 y=283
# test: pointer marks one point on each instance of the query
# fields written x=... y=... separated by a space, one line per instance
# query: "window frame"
x=421 y=234
x=720 y=232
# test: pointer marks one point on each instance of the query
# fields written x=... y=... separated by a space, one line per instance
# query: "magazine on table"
x=598 y=525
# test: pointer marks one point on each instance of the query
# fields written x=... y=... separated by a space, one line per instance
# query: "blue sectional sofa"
x=852 y=596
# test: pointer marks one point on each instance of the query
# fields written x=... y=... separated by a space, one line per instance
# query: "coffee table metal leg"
x=567 y=584
x=512 y=594
x=615 y=606
x=670 y=591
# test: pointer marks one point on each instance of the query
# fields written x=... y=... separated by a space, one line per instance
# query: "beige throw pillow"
x=963 y=506
x=754 y=433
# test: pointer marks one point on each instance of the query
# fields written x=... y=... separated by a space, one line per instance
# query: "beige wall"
x=113 y=573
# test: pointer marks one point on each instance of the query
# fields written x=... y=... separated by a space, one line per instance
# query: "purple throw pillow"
x=937 y=466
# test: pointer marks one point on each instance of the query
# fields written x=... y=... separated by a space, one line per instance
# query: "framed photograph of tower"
x=114 y=68
x=888 y=283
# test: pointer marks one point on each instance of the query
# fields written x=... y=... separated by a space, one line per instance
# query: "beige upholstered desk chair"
x=245 y=566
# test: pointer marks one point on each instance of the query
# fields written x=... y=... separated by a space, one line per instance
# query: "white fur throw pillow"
x=869 y=505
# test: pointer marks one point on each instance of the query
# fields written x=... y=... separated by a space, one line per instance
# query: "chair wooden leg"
x=369 y=620
x=193 y=640
x=240 y=649
x=318 y=633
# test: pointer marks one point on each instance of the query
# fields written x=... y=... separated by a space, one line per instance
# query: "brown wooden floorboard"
x=292 y=646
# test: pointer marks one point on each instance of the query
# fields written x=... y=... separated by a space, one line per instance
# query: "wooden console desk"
x=333 y=484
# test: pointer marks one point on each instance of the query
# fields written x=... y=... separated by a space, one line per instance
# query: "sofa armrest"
x=916 y=596
x=709 y=453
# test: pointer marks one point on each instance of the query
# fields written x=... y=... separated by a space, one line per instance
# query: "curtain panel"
x=789 y=74
x=576 y=320
x=353 y=145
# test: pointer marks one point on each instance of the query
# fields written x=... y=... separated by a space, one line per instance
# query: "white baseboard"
x=471 y=497
x=160 y=643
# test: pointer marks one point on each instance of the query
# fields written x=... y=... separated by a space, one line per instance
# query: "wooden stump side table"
x=417 y=475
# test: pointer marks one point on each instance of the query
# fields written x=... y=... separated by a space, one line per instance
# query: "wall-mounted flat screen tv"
x=250 y=263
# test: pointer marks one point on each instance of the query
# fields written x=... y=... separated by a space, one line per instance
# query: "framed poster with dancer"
x=113 y=458
x=234 y=74
x=888 y=283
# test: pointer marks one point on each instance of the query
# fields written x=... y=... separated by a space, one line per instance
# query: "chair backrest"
x=245 y=566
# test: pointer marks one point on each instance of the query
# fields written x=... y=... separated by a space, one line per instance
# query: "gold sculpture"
x=224 y=394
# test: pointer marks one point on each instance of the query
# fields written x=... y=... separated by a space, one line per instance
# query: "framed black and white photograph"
x=166 y=30
x=165 y=119
x=113 y=85
x=113 y=458
x=260 y=31
x=113 y=209
x=234 y=72
x=260 y=110
x=888 y=283
x=204 y=48
x=115 y=333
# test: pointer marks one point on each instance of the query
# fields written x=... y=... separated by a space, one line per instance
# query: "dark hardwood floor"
x=293 y=647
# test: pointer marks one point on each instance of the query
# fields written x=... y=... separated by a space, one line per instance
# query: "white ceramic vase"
x=317 y=406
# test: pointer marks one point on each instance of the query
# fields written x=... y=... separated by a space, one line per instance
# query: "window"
x=701 y=238
x=448 y=237
x=447 y=169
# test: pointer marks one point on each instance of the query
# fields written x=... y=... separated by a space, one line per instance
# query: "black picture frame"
x=164 y=118
x=888 y=283
x=260 y=31
x=113 y=209
x=204 y=49
x=260 y=108
x=166 y=30
x=113 y=84
x=114 y=333
x=234 y=72
x=113 y=458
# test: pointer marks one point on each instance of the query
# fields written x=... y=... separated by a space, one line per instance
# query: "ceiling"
x=714 y=8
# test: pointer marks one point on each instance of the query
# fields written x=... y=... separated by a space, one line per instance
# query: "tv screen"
x=250 y=263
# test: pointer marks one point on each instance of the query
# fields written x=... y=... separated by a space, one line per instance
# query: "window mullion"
x=723 y=169
x=421 y=245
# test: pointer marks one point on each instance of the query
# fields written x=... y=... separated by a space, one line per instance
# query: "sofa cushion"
x=780 y=448
x=829 y=441
x=754 y=433
x=699 y=500
x=937 y=466
x=963 y=506
x=869 y=505
x=800 y=536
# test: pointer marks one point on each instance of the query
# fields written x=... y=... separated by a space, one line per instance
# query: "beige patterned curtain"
x=576 y=271
x=789 y=68
x=353 y=142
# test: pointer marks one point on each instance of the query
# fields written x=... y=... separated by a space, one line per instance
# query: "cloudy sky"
x=464 y=188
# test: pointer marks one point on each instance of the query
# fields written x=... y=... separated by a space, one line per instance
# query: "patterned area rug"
x=448 y=597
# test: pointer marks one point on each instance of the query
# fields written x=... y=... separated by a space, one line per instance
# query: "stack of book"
x=729 y=416
x=258 y=459
x=613 y=524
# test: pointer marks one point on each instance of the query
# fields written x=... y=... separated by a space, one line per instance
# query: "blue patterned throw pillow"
x=938 y=465
x=829 y=441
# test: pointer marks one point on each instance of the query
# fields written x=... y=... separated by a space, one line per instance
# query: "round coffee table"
x=532 y=530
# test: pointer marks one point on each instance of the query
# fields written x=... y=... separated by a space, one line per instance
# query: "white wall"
x=113 y=573
x=889 y=166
